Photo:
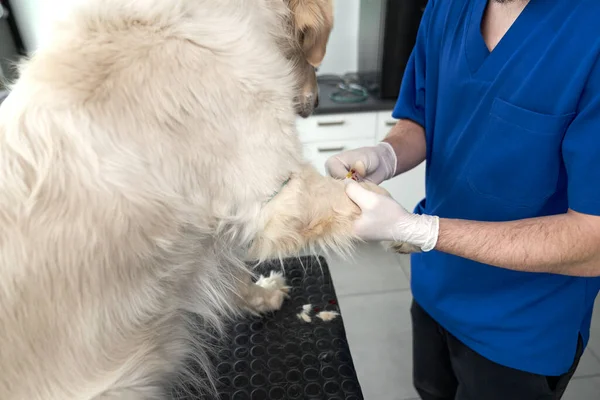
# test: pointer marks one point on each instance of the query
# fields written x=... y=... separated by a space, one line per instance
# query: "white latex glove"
x=383 y=219
x=373 y=163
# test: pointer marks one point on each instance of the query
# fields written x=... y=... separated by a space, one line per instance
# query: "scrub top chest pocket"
x=518 y=158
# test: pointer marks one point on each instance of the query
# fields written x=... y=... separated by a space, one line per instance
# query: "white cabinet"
x=323 y=136
x=408 y=188
x=385 y=122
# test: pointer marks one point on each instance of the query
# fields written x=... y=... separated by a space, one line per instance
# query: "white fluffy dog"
x=147 y=153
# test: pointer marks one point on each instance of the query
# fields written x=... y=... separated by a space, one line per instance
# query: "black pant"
x=446 y=369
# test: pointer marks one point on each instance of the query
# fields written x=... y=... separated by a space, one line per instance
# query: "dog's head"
x=310 y=24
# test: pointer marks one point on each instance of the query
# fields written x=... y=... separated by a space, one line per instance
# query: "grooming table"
x=279 y=356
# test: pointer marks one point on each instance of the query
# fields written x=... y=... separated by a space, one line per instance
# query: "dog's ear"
x=313 y=20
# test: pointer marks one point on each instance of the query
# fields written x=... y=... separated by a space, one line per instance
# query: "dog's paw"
x=274 y=293
x=401 y=248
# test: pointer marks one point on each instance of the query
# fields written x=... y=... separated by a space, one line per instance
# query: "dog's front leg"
x=312 y=211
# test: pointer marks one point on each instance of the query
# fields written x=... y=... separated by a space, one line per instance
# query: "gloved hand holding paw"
x=383 y=219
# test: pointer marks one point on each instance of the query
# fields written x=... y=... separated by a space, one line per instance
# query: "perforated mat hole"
x=349 y=386
x=257 y=326
x=240 y=395
x=328 y=372
x=242 y=328
x=257 y=351
x=295 y=273
x=224 y=381
x=331 y=388
x=307 y=347
x=323 y=345
x=240 y=381
x=257 y=365
x=240 y=366
x=310 y=280
x=309 y=360
x=291 y=348
x=259 y=394
x=293 y=362
x=300 y=300
x=312 y=289
x=277 y=393
x=312 y=389
x=321 y=332
x=224 y=368
x=275 y=363
x=276 y=377
x=311 y=374
x=241 y=352
x=257 y=339
x=258 y=380
x=315 y=298
x=274 y=349
x=294 y=392
x=242 y=340
x=293 y=376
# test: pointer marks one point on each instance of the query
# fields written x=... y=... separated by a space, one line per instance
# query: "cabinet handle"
x=331 y=149
x=390 y=123
x=331 y=123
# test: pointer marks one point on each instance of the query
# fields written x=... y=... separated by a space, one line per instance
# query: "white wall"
x=342 y=52
x=34 y=18
x=29 y=18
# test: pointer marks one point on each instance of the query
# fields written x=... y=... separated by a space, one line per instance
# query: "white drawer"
x=320 y=128
x=318 y=153
x=385 y=122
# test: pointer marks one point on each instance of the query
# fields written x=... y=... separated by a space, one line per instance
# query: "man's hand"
x=374 y=163
x=383 y=219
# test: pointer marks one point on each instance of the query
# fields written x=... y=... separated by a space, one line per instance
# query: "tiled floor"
x=374 y=294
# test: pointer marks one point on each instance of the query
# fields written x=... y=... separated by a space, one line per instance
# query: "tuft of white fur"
x=304 y=317
x=327 y=315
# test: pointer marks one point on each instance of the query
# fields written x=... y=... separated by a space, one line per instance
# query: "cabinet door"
x=318 y=153
x=385 y=123
x=408 y=188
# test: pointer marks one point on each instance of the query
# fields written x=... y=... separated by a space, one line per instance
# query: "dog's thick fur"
x=140 y=151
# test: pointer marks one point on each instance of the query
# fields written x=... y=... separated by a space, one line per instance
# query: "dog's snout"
x=316 y=101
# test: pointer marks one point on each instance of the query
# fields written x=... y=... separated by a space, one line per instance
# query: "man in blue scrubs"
x=501 y=99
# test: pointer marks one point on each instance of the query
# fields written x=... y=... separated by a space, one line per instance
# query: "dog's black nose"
x=317 y=101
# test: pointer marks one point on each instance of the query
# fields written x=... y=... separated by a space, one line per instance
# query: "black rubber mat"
x=280 y=356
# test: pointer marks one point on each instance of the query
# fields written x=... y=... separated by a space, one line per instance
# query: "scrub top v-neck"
x=511 y=133
x=483 y=63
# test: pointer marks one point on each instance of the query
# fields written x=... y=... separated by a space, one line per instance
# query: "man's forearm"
x=408 y=140
x=563 y=244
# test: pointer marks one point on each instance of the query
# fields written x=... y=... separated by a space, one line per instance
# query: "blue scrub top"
x=511 y=134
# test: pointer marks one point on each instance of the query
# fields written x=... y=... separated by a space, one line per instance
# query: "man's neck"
x=498 y=18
